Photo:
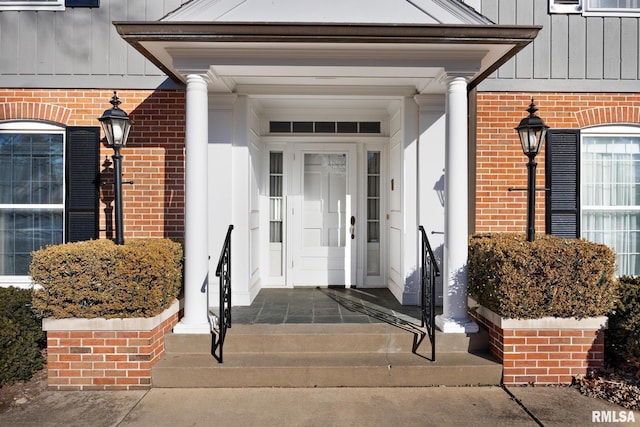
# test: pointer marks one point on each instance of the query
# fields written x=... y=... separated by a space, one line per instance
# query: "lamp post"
x=116 y=126
x=532 y=132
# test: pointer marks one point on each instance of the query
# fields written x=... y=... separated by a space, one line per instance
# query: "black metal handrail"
x=429 y=272
x=223 y=271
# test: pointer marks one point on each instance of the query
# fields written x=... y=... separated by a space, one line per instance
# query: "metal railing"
x=429 y=272
x=223 y=271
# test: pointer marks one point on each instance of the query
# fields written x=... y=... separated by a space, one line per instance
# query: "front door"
x=323 y=216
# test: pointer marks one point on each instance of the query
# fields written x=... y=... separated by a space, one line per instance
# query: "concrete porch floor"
x=326 y=305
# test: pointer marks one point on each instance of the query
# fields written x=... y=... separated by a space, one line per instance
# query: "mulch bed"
x=620 y=386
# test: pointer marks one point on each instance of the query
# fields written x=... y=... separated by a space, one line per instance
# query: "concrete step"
x=325 y=370
x=318 y=338
x=320 y=355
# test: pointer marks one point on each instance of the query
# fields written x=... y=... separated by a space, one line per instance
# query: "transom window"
x=31 y=193
x=610 y=192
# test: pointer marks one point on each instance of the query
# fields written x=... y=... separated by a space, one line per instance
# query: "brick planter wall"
x=105 y=354
x=544 y=351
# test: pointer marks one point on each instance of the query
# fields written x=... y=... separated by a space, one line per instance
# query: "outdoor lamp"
x=116 y=125
x=532 y=132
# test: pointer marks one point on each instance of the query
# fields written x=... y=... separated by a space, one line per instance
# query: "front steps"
x=325 y=355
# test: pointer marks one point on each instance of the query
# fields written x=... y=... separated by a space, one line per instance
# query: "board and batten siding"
x=571 y=53
x=78 y=47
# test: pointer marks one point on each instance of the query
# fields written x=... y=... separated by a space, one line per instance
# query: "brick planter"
x=105 y=354
x=544 y=351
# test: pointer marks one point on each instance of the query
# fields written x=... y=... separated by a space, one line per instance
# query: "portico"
x=326 y=143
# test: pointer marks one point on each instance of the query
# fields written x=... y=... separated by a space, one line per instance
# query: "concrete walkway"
x=435 y=406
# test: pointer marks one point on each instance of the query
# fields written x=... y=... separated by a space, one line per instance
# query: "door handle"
x=353 y=227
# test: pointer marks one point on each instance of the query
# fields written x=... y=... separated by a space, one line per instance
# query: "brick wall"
x=105 y=354
x=500 y=161
x=153 y=158
x=544 y=351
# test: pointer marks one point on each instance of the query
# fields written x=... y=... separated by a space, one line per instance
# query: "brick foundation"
x=544 y=351
x=105 y=354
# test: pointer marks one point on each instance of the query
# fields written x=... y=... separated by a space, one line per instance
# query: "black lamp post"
x=532 y=132
x=116 y=126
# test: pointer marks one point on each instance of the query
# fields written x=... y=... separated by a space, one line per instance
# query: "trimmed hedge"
x=623 y=335
x=98 y=278
x=21 y=336
x=550 y=276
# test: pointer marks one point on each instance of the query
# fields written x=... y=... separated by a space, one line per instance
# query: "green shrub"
x=550 y=276
x=98 y=278
x=21 y=336
x=623 y=335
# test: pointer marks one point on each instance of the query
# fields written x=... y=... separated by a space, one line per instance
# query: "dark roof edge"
x=318 y=32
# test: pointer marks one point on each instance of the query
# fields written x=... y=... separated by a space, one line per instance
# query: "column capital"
x=196 y=80
x=450 y=76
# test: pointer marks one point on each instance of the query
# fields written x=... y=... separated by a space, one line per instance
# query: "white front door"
x=322 y=211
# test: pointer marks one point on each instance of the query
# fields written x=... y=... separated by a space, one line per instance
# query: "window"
x=31 y=4
x=373 y=213
x=596 y=7
x=48 y=190
x=612 y=6
x=31 y=195
x=610 y=190
x=276 y=180
x=324 y=127
x=594 y=181
x=46 y=4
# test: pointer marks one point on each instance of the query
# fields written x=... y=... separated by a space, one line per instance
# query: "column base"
x=456 y=326
x=191 y=328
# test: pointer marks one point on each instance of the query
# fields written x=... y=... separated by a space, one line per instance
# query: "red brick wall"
x=544 y=356
x=153 y=158
x=500 y=161
x=105 y=360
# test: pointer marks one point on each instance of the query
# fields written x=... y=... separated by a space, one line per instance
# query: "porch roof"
x=237 y=55
x=329 y=47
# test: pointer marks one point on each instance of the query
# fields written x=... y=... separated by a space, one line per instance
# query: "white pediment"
x=329 y=11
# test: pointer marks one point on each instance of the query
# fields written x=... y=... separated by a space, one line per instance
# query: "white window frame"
x=32 y=5
x=611 y=131
x=26 y=282
x=583 y=7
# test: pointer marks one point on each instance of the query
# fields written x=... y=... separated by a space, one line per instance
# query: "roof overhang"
x=244 y=56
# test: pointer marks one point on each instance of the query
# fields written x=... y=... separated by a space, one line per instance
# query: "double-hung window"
x=610 y=189
x=48 y=191
x=31 y=193
x=594 y=181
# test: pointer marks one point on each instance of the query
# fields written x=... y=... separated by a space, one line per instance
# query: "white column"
x=456 y=247
x=196 y=249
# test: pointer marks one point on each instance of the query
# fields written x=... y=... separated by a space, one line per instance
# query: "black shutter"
x=563 y=180
x=82 y=3
x=82 y=168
